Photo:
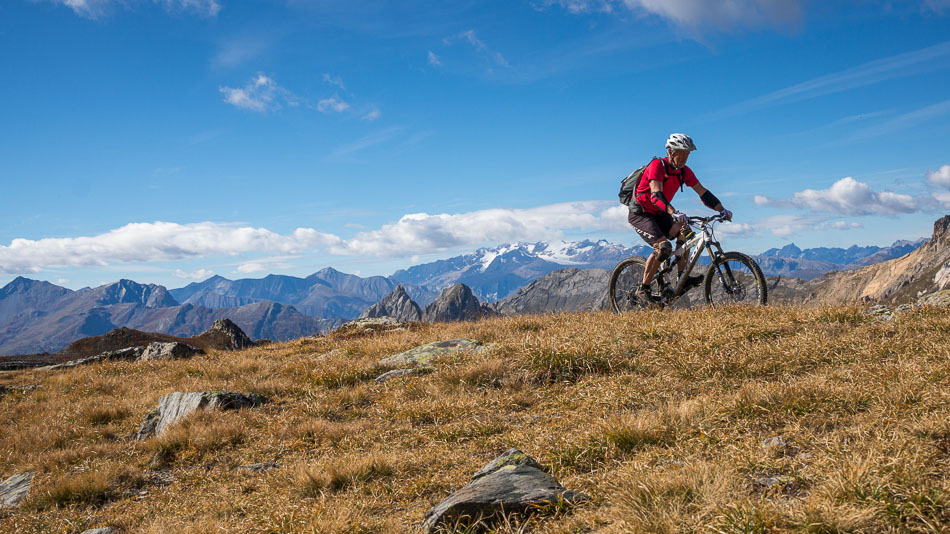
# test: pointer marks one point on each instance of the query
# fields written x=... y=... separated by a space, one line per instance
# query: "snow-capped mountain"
x=495 y=273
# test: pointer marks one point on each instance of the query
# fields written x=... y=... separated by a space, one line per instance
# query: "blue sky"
x=165 y=140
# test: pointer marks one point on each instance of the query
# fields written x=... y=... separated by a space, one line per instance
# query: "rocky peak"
x=397 y=305
x=129 y=291
x=225 y=335
x=941 y=237
x=456 y=303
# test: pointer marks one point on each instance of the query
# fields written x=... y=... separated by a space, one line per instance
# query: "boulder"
x=395 y=373
x=456 y=303
x=940 y=299
x=14 y=489
x=130 y=353
x=103 y=530
x=371 y=325
x=397 y=305
x=225 y=335
x=168 y=351
x=176 y=406
x=511 y=484
x=425 y=354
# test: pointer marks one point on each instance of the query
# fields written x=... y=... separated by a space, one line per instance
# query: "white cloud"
x=696 y=14
x=847 y=196
x=434 y=59
x=251 y=267
x=260 y=94
x=421 y=233
x=471 y=38
x=372 y=115
x=200 y=274
x=334 y=80
x=940 y=177
x=334 y=103
x=149 y=242
x=97 y=8
x=943 y=199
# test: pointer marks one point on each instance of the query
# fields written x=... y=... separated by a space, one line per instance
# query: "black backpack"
x=629 y=185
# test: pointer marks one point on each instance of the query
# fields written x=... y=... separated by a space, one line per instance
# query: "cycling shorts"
x=652 y=227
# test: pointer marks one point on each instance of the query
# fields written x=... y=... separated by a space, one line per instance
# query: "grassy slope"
x=664 y=431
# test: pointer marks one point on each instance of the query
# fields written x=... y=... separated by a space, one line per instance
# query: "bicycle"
x=731 y=278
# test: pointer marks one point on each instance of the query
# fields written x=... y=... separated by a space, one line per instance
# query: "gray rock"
x=776 y=484
x=397 y=305
x=262 y=467
x=511 y=488
x=225 y=335
x=456 y=303
x=128 y=354
x=168 y=351
x=14 y=489
x=426 y=354
x=103 y=530
x=564 y=290
x=777 y=442
x=395 y=373
x=880 y=312
x=175 y=406
x=510 y=457
x=5 y=389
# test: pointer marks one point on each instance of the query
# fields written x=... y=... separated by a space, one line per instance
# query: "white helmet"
x=680 y=141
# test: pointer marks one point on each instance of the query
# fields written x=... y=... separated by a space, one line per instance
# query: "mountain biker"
x=655 y=218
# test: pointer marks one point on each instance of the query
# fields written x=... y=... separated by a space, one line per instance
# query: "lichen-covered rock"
x=395 y=373
x=103 y=530
x=426 y=354
x=257 y=468
x=940 y=299
x=14 y=489
x=880 y=312
x=511 y=484
x=371 y=325
x=128 y=354
x=168 y=351
x=175 y=406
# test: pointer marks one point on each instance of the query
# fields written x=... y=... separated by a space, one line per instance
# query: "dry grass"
x=661 y=417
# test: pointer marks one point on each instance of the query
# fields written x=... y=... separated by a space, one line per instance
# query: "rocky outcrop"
x=511 y=484
x=426 y=354
x=168 y=351
x=14 y=489
x=900 y=280
x=224 y=335
x=397 y=305
x=565 y=290
x=176 y=406
x=128 y=354
x=456 y=303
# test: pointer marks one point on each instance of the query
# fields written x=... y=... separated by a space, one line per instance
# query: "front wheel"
x=735 y=278
x=624 y=282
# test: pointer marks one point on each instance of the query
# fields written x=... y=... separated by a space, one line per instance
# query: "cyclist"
x=655 y=218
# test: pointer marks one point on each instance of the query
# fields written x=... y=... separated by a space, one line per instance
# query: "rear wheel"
x=624 y=282
x=735 y=278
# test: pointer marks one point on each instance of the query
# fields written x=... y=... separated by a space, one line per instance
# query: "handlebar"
x=706 y=220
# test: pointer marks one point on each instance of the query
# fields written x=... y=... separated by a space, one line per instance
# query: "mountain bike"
x=731 y=278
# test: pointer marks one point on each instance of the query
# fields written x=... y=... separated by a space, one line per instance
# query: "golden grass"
x=661 y=417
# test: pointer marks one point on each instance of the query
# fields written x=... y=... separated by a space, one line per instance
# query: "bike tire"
x=735 y=278
x=624 y=281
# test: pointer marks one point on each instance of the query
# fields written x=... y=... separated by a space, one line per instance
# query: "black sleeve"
x=710 y=200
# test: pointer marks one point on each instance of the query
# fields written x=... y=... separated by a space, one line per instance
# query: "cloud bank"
x=695 y=14
x=847 y=196
x=97 y=8
x=940 y=177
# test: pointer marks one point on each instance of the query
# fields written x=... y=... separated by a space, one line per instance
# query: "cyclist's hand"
x=680 y=216
x=726 y=214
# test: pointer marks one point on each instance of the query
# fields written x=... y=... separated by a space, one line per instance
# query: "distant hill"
x=37 y=316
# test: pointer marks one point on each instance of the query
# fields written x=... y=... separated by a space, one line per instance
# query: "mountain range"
x=37 y=316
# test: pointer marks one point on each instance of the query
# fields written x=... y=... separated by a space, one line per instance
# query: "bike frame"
x=703 y=241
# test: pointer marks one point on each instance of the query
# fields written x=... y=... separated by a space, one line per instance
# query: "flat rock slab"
x=168 y=351
x=514 y=486
x=176 y=406
x=103 y=530
x=426 y=354
x=14 y=489
x=130 y=353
